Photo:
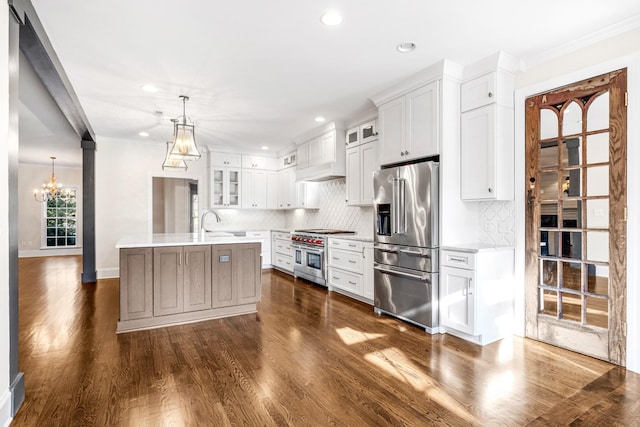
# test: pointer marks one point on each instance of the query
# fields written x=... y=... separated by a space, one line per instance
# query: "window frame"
x=43 y=225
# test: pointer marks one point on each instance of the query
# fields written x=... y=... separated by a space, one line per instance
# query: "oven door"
x=309 y=264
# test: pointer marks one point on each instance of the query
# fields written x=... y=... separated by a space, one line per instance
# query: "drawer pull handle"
x=352 y=261
x=335 y=278
x=336 y=258
x=456 y=259
x=352 y=283
x=352 y=245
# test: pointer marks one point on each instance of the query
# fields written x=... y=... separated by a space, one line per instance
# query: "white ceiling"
x=258 y=72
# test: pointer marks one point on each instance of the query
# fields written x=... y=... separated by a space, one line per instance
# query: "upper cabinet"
x=362 y=160
x=294 y=195
x=258 y=162
x=409 y=125
x=321 y=154
x=230 y=160
x=224 y=180
x=486 y=132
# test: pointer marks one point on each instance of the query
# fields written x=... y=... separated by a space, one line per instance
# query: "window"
x=60 y=221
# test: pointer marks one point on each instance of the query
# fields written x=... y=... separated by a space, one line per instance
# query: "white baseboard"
x=108 y=273
x=5 y=409
x=49 y=252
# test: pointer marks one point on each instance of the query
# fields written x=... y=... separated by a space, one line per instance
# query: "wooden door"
x=247 y=271
x=223 y=281
x=576 y=217
x=136 y=283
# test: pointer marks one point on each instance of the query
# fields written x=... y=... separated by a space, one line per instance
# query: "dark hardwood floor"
x=307 y=358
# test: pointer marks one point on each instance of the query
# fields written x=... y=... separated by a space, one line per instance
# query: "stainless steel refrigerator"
x=406 y=242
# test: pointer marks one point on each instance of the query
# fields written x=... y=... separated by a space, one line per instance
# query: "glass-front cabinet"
x=225 y=187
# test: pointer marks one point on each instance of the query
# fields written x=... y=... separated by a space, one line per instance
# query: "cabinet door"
x=136 y=283
x=477 y=154
x=272 y=190
x=218 y=187
x=457 y=299
x=367 y=269
x=233 y=188
x=197 y=277
x=284 y=188
x=353 y=137
x=368 y=164
x=223 y=285
x=353 y=176
x=260 y=189
x=247 y=189
x=369 y=131
x=168 y=280
x=391 y=121
x=478 y=92
x=248 y=273
x=422 y=122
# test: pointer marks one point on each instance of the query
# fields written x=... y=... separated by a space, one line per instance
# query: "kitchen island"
x=171 y=279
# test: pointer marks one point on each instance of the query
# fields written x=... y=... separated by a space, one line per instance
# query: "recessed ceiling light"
x=331 y=18
x=264 y=147
x=320 y=119
x=145 y=134
x=406 y=47
x=149 y=88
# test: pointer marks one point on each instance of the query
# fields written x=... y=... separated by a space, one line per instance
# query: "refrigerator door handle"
x=394 y=206
x=385 y=248
x=389 y=270
x=402 y=211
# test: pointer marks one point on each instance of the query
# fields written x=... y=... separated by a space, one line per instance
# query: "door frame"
x=566 y=76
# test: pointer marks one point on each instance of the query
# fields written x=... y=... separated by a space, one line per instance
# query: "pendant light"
x=184 y=140
x=173 y=162
x=51 y=190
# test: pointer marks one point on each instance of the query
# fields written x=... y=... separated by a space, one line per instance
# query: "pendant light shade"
x=173 y=162
x=184 y=140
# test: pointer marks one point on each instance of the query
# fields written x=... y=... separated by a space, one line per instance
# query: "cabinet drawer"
x=465 y=260
x=284 y=261
x=282 y=236
x=283 y=248
x=346 y=244
x=259 y=234
x=347 y=260
x=348 y=281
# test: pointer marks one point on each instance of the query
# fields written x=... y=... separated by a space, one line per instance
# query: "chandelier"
x=51 y=190
x=172 y=162
x=184 y=140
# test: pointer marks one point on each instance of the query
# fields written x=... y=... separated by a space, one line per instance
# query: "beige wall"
x=30 y=212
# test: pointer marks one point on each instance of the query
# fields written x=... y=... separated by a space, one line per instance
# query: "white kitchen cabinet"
x=294 y=195
x=302 y=155
x=409 y=125
x=225 y=187
x=362 y=161
x=281 y=251
x=272 y=190
x=476 y=293
x=254 y=189
x=486 y=138
x=288 y=160
x=350 y=268
x=229 y=160
x=258 y=162
x=265 y=241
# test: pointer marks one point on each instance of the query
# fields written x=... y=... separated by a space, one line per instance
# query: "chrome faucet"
x=204 y=215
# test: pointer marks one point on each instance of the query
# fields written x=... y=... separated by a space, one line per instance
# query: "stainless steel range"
x=309 y=254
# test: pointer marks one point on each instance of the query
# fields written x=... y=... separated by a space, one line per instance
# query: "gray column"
x=89 y=274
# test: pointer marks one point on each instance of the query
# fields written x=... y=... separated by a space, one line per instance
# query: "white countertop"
x=476 y=247
x=179 y=239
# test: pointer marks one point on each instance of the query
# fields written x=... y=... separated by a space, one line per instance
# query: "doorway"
x=575 y=266
x=175 y=205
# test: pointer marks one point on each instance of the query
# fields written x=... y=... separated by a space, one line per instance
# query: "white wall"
x=608 y=55
x=31 y=176
x=124 y=172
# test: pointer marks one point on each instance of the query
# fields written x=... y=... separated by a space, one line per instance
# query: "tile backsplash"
x=334 y=212
x=497 y=222
x=244 y=219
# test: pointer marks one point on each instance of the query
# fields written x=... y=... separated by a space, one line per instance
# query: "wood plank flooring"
x=307 y=358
